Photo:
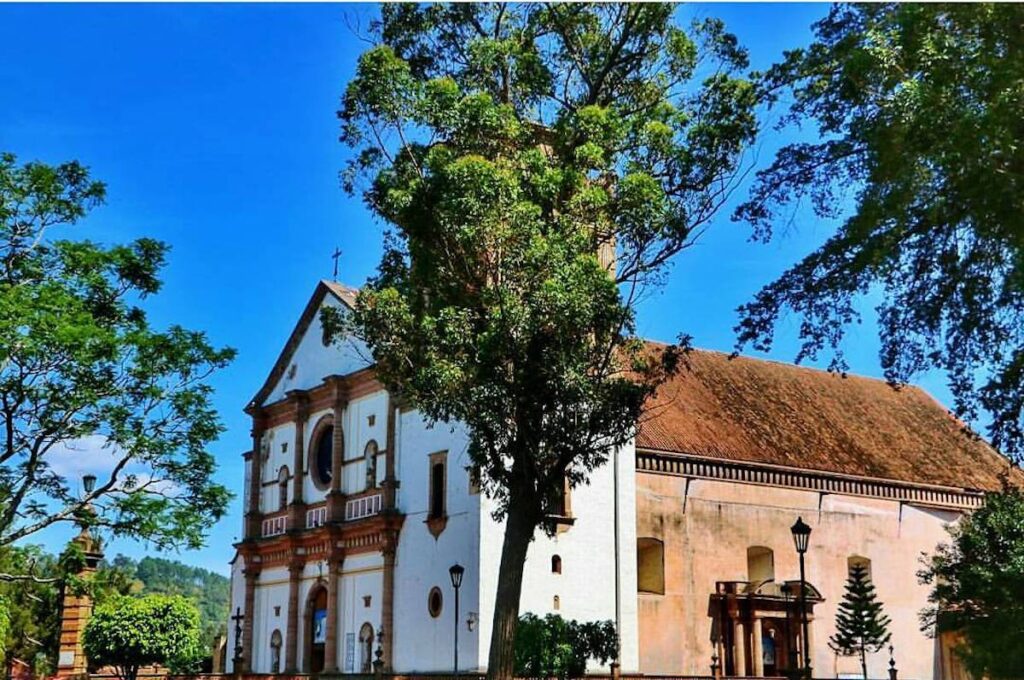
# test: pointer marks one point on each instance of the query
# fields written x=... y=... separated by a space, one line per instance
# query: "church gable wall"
x=707 y=528
x=312 y=361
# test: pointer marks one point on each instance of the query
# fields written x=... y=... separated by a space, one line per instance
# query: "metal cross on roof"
x=335 y=256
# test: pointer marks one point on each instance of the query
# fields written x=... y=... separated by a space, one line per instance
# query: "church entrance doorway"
x=316 y=628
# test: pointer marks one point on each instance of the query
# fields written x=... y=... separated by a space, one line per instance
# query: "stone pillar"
x=291 y=650
x=757 y=652
x=76 y=609
x=252 y=574
x=387 y=603
x=390 y=481
x=335 y=497
x=739 y=648
x=255 y=478
x=810 y=640
x=296 y=510
x=331 y=642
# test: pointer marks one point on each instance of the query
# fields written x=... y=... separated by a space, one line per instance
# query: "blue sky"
x=214 y=127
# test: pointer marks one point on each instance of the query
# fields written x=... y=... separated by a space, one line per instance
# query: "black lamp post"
x=801 y=536
x=456 y=571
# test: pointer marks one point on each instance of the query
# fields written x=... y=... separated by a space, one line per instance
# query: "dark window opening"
x=434 y=602
x=437 y=508
x=325 y=455
x=556 y=564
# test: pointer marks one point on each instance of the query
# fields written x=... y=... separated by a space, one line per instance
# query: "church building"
x=356 y=508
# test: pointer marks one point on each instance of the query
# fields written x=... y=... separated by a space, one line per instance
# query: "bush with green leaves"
x=553 y=647
x=130 y=632
x=5 y=623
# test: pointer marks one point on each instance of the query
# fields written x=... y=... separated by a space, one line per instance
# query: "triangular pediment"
x=305 y=360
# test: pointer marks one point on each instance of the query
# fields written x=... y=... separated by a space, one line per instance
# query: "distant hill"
x=155 y=575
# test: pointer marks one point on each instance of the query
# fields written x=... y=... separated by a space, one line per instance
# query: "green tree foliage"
x=507 y=145
x=130 y=632
x=861 y=627
x=977 y=587
x=5 y=626
x=555 y=648
x=33 y=605
x=210 y=592
x=81 y=366
x=918 y=108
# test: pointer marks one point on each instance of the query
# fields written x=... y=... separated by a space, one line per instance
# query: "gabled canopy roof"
x=342 y=292
x=759 y=411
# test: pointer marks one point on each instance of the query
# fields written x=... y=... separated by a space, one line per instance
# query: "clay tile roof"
x=760 y=411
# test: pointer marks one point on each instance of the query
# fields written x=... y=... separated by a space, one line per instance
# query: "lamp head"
x=801 y=535
x=456 y=571
x=89 y=483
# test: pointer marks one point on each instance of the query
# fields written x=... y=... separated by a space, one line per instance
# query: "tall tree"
x=861 y=627
x=918 y=112
x=34 y=607
x=977 y=587
x=80 y=367
x=538 y=165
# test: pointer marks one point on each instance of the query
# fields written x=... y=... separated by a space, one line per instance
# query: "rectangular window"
x=438 y=506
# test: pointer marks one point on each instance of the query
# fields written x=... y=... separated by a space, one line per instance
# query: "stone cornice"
x=703 y=467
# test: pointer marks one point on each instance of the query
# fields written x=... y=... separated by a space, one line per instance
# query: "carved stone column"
x=252 y=575
x=252 y=514
x=291 y=654
x=331 y=642
x=757 y=651
x=387 y=603
x=739 y=647
x=296 y=511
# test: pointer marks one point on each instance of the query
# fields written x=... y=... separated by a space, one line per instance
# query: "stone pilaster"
x=252 y=574
x=387 y=603
x=296 y=510
x=253 y=516
x=331 y=642
x=335 y=497
x=390 y=484
x=291 y=653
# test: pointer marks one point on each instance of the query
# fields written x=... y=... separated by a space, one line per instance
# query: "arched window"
x=275 y=652
x=366 y=648
x=370 y=455
x=650 y=566
x=322 y=459
x=858 y=561
x=437 y=488
x=760 y=564
x=556 y=564
x=282 y=487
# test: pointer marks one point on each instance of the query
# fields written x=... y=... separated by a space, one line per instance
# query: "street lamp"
x=801 y=537
x=89 y=483
x=456 y=571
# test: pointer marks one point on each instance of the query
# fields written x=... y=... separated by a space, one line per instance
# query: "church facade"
x=356 y=508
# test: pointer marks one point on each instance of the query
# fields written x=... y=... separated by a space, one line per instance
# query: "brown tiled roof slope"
x=760 y=411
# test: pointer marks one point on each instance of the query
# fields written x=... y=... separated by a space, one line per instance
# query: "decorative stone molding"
x=701 y=467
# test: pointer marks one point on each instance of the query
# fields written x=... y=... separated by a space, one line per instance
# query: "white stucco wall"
x=421 y=642
x=586 y=586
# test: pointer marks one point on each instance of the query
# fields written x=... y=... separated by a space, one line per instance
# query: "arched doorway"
x=316 y=628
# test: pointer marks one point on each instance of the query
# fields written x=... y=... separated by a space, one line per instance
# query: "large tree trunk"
x=519 y=527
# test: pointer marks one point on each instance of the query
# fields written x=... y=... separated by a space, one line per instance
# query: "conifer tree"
x=861 y=627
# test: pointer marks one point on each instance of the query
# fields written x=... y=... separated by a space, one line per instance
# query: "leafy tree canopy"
x=130 y=632
x=553 y=647
x=918 y=107
x=81 y=366
x=33 y=607
x=977 y=587
x=537 y=165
